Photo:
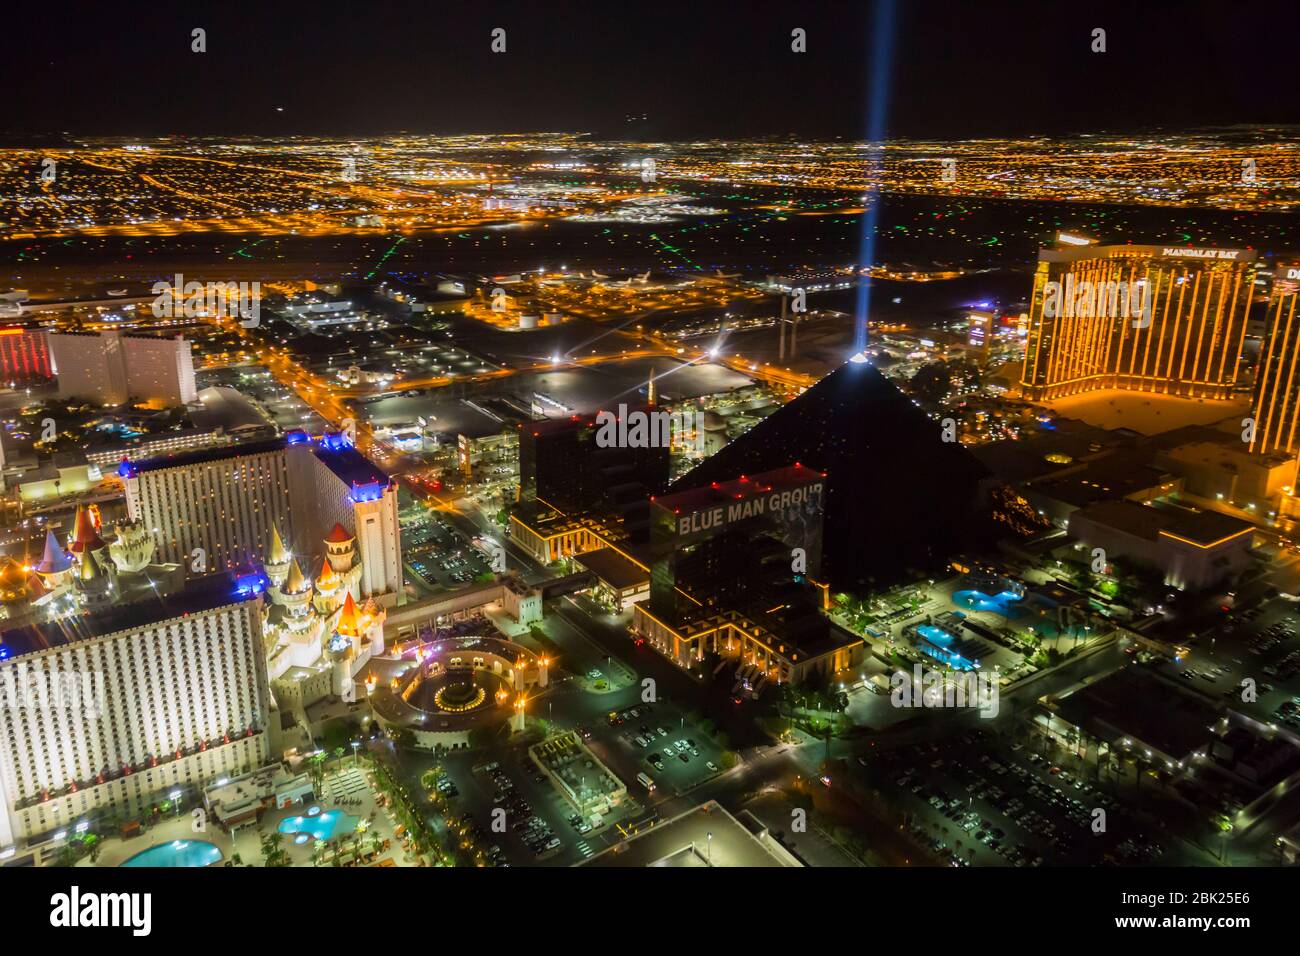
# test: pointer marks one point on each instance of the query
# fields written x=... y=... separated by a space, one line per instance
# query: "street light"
x=709 y=847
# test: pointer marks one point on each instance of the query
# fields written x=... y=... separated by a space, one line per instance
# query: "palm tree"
x=273 y=849
x=316 y=769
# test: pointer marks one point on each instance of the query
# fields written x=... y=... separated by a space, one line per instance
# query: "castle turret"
x=294 y=594
x=132 y=548
x=55 y=567
x=85 y=536
x=348 y=623
x=329 y=589
x=93 y=583
x=339 y=549
x=277 y=560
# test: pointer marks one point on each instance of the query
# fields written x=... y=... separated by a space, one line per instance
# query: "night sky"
x=700 y=69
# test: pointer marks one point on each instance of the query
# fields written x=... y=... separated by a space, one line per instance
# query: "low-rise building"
x=1193 y=549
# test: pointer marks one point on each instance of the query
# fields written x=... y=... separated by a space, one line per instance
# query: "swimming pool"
x=1004 y=603
x=937 y=643
x=177 y=853
x=322 y=826
x=935 y=635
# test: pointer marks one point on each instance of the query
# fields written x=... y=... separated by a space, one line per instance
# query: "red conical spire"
x=85 y=537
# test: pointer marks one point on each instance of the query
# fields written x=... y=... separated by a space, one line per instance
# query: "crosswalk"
x=585 y=849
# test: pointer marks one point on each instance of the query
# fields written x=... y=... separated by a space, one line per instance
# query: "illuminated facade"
x=1191 y=549
x=137 y=701
x=221 y=506
x=1163 y=319
x=24 y=355
x=1277 y=390
x=112 y=368
x=321 y=623
x=733 y=573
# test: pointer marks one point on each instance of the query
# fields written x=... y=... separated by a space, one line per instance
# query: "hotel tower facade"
x=1162 y=319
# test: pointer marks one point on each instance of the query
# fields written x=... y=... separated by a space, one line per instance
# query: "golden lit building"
x=1164 y=319
x=1277 y=389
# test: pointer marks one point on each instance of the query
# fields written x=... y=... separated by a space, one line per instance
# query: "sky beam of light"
x=882 y=54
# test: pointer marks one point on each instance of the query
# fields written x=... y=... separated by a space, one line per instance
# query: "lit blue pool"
x=1005 y=603
x=177 y=853
x=935 y=635
x=937 y=643
x=321 y=826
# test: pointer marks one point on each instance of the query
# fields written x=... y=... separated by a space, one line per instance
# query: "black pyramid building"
x=899 y=499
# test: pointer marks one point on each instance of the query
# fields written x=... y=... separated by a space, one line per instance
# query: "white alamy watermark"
x=650 y=429
x=47 y=691
x=1112 y=299
x=930 y=688
x=192 y=300
x=76 y=909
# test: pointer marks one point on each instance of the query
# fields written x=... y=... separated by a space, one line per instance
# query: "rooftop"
x=1138 y=704
x=199 y=595
x=613 y=568
x=738 y=489
x=706 y=835
x=349 y=465
x=1202 y=528
x=204 y=455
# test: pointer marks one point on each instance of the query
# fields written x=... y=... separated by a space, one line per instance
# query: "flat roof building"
x=704 y=836
x=1193 y=549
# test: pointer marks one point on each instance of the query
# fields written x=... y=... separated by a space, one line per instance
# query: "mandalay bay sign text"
x=775 y=502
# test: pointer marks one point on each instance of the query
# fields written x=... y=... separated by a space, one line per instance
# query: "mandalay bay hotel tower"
x=1164 y=319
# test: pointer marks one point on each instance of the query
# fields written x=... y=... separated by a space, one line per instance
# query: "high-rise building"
x=732 y=565
x=575 y=494
x=214 y=508
x=1277 y=387
x=111 y=368
x=561 y=463
x=1165 y=319
x=111 y=711
x=336 y=491
x=219 y=506
x=24 y=355
x=899 y=498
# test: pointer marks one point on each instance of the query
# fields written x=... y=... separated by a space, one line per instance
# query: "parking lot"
x=659 y=743
x=541 y=827
x=440 y=555
x=1259 y=643
x=1006 y=807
